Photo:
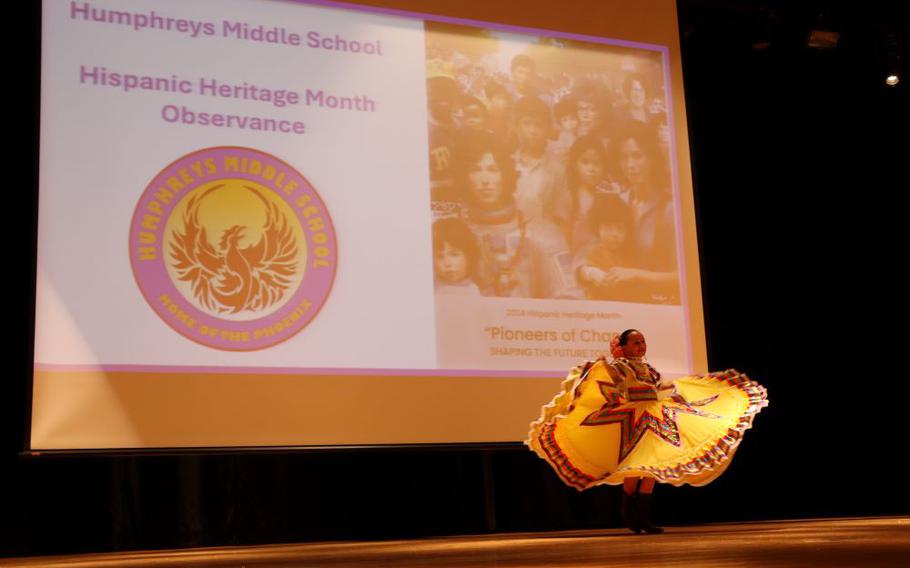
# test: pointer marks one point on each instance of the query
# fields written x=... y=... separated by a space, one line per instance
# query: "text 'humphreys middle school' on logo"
x=233 y=248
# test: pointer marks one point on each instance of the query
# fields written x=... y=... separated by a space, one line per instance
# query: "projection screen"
x=278 y=223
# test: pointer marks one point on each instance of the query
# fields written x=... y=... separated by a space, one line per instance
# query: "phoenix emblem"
x=228 y=278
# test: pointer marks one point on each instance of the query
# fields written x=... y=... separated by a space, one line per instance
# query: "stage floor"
x=874 y=542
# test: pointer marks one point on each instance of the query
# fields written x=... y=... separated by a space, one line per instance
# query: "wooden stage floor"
x=875 y=542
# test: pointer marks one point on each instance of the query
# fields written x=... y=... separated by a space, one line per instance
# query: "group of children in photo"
x=549 y=187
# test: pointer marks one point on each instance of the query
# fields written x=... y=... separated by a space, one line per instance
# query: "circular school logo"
x=233 y=248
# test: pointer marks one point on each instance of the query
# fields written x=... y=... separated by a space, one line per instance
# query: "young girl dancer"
x=620 y=422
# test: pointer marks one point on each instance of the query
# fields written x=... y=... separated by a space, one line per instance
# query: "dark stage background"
x=801 y=166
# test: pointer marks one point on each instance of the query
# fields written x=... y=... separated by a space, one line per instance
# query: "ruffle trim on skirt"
x=699 y=470
x=711 y=462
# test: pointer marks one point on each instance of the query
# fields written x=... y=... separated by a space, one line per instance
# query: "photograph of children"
x=549 y=168
x=455 y=255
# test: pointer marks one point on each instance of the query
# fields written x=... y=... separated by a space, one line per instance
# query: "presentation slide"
x=279 y=223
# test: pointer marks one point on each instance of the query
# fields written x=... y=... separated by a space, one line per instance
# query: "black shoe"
x=643 y=508
x=629 y=514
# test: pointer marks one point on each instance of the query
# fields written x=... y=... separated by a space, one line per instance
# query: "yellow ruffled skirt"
x=590 y=440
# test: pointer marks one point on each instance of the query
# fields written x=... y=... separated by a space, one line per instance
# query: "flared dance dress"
x=618 y=419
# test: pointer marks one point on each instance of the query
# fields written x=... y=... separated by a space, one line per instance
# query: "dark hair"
x=624 y=336
x=603 y=103
x=470 y=149
x=457 y=234
x=645 y=135
x=581 y=145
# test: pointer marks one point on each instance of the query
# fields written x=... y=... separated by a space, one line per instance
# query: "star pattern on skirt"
x=634 y=425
